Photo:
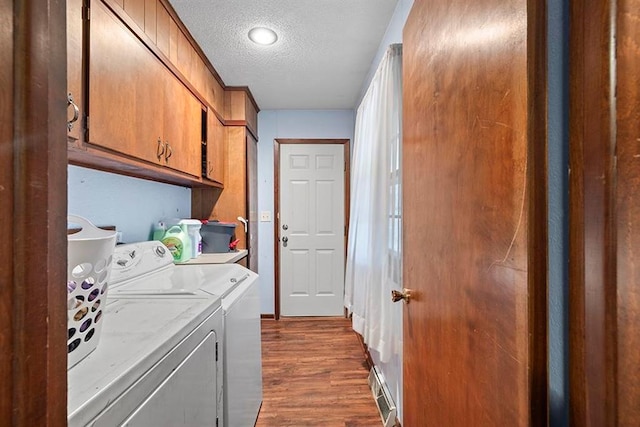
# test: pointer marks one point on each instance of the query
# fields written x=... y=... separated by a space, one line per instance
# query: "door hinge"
x=216 y=351
x=345 y=166
x=86 y=126
x=86 y=13
x=345 y=230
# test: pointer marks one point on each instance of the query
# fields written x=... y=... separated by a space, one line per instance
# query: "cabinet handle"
x=160 y=150
x=209 y=169
x=169 y=152
x=76 y=111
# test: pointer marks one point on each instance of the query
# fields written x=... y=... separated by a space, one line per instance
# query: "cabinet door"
x=74 y=62
x=182 y=127
x=252 y=201
x=233 y=199
x=216 y=153
x=126 y=93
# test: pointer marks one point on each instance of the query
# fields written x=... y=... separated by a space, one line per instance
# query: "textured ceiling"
x=322 y=56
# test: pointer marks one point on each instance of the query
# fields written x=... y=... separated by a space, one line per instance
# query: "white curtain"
x=374 y=258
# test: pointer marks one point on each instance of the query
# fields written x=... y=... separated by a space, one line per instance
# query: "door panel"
x=74 y=62
x=128 y=123
x=182 y=127
x=216 y=153
x=299 y=217
x=312 y=210
x=252 y=201
x=469 y=339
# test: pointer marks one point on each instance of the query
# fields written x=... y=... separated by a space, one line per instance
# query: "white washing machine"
x=241 y=335
x=156 y=362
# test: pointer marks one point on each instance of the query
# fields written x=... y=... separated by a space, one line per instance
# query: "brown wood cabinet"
x=240 y=108
x=240 y=196
x=157 y=23
x=156 y=109
x=137 y=107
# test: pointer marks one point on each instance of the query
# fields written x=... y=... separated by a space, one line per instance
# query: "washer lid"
x=214 y=279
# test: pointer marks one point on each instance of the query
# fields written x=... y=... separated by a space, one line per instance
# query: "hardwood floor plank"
x=314 y=374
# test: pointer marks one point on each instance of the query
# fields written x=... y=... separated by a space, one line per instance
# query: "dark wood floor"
x=314 y=374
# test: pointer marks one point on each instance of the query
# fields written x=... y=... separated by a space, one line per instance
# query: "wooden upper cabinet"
x=151 y=116
x=147 y=85
x=216 y=153
x=125 y=100
x=239 y=107
x=159 y=25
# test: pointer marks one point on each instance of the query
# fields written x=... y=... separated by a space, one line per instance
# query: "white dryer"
x=156 y=363
x=240 y=294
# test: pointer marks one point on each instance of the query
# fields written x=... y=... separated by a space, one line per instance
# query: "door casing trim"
x=346 y=143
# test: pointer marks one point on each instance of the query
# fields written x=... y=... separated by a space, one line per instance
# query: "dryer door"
x=187 y=396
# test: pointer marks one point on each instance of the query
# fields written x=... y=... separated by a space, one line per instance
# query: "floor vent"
x=381 y=395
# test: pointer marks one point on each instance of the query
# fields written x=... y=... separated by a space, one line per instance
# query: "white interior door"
x=312 y=229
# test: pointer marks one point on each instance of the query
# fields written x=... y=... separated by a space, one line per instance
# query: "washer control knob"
x=160 y=251
x=233 y=280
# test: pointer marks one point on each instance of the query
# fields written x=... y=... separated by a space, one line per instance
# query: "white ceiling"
x=322 y=56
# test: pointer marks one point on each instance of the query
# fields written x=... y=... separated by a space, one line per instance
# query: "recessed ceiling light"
x=263 y=36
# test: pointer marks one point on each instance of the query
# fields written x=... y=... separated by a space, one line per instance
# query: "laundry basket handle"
x=88 y=231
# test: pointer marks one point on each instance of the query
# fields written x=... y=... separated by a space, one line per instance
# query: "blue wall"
x=558 y=140
x=272 y=124
x=131 y=204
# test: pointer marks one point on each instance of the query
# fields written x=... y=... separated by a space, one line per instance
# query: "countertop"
x=221 y=258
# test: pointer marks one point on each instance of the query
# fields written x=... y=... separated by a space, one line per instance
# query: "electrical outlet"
x=265 y=216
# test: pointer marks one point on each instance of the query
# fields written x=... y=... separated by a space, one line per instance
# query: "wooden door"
x=604 y=277
x=474 y=214
x=311 y=219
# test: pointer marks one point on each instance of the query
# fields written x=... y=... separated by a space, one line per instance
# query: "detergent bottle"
x=176 y=239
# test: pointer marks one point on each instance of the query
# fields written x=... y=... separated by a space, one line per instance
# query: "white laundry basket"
x=90 y=252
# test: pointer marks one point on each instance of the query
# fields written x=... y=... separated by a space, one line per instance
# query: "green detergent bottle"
x=176 y=239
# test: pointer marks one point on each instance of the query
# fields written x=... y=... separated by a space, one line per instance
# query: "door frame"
x=346 y=143
x=598 y=394
x=33 y=184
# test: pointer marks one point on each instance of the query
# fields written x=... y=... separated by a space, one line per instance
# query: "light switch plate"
x=265 y=216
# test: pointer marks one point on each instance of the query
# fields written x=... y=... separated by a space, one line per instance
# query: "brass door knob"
x=398 y=295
